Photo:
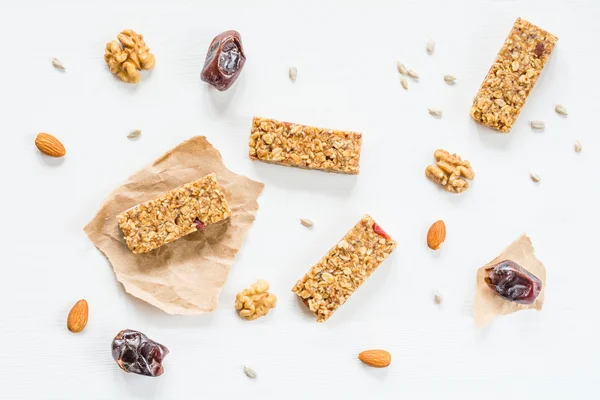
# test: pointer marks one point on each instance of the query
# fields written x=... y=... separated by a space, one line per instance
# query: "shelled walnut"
x=450 y=171
x=256 y=301
x=128 y=57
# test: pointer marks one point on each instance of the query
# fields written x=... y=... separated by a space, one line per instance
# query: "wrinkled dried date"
x=135 y=352
x=224 y=60
x=513 y=282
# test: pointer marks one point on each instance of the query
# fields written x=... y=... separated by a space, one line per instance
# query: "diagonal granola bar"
x=302 y=146
x=348 y=264
x=514 y=73
x=177 y=213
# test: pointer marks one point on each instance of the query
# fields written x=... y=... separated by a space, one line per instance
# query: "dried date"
x=135 y=352
x=513 y=282
x=224 y=60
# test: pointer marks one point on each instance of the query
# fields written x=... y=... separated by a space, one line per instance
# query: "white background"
x=345 y=53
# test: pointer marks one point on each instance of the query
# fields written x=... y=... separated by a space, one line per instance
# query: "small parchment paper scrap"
x=487 y=304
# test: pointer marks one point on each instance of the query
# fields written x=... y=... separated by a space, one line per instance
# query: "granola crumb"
x=438 y=297
x=577 y=146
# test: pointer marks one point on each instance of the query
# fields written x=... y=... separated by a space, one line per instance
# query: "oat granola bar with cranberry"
x=513 y=75
x=348 y=264
x=170 y=216
x=303 y=146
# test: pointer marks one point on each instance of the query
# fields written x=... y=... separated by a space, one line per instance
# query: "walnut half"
x=450 y=171
x=128 y=57
x=255 y=301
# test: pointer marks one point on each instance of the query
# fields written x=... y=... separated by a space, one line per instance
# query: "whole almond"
x=78 y=316
x=376 y=358
x=436 y=235
x=50 y=145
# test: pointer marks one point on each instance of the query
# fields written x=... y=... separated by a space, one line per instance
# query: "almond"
x=436 y=235
x=50 y=145
x=376 y=358
x=78 y=316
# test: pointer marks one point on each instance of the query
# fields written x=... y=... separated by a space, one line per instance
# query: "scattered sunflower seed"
x=430 y=47
x=537 y=124
x=412 y=74
x=449 y=79
x=435 y=112
x=404 y=83
x=306 y=222
x=577 y=146
x=535 y=177
x=250 y=372
x=57 y=64
x=134 y=134
x=560 y=109
x=438 y=298
x=293 y=73
x=402 y=68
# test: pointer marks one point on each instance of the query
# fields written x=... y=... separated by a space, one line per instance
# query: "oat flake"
x=577 y=146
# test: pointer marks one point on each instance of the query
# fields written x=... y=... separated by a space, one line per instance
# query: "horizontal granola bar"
x=177 y=213
x=302 y=146
x=513 y=75
x=348 y=264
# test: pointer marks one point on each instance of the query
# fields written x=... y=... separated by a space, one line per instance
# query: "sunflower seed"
x=250 y=372
x=293 y=73
x=577 y=146
x=57 y=64
x=535 y=177
x=430 y=47
x=537 y=124
x=404 y=83
x=435 y=112
x=306 y=222
x=449 y=79
x=401 y=68
x=438 y=298
x=560 y=109
x=134 y=134
x=412 y=74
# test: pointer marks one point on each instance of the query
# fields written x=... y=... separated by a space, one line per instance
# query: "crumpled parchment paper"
x=185 y=276
x=487 y=304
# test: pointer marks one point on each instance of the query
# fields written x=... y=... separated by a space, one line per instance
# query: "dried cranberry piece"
x=513 y=282
x=377 y=229
x=224 y=60
x=199 y=224
x=135 y=352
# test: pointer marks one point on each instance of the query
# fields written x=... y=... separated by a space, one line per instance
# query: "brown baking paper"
x=487 y=304
x=185 y=276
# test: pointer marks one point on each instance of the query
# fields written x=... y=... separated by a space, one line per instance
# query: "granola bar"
x=172 y=215
x=302 y=146
x=348 y=264
x=513 y=75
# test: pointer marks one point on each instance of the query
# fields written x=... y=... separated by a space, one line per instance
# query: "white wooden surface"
x=345 y=53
